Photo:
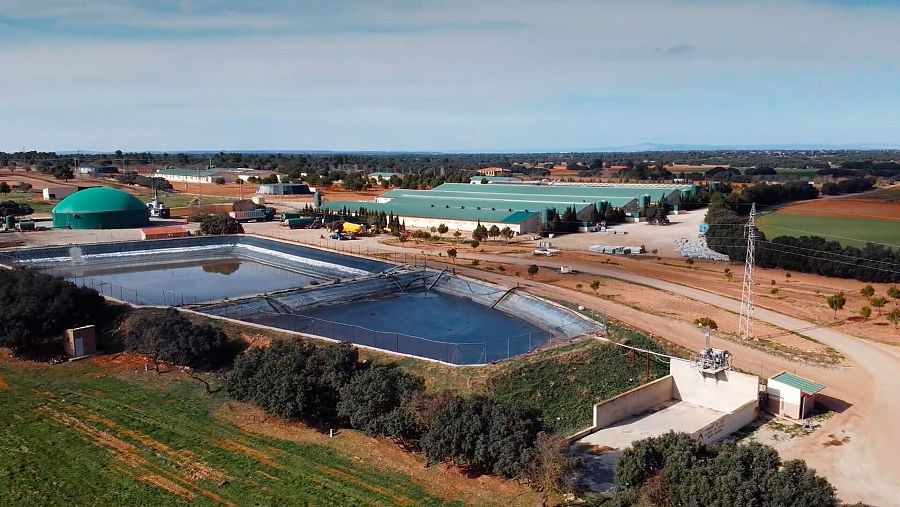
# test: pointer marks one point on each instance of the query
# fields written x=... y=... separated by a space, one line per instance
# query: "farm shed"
x=284 y=189
x=791 y=396
x=421 y=214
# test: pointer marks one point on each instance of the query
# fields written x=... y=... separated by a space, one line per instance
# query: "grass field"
x=849 y=231
x=26 y=198
x=72 y=435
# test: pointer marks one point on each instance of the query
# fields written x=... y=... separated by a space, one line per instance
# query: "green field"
x=848 y=231
x=72 y=435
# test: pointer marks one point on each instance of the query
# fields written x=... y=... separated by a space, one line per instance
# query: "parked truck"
x=256 y=215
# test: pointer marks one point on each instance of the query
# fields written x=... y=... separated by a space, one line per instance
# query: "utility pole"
x=745 y=326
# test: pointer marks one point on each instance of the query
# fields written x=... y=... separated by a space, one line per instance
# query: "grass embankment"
x=848 y=231
x=566 y=382
x=74 y=435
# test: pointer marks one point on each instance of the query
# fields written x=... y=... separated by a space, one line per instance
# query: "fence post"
x=507 y=347
x=397 y=340
x=529 y=342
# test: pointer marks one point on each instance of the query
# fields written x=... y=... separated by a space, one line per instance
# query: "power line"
x=826 y=259
x=807 y=249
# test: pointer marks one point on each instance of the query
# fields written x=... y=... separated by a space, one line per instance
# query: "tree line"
x=327 y=385
x=727 y=218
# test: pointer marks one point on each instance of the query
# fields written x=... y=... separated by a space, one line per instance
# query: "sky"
x=455 y=75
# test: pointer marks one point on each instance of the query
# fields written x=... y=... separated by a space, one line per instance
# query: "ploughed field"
x=73 y=435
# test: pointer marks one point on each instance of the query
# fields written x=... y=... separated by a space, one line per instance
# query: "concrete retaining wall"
x=312 y=261
x=544 y=314
x=633 y=402
x=726 y=392
x=728 y=423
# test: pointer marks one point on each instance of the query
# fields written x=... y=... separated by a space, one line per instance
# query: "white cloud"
x=464 y=74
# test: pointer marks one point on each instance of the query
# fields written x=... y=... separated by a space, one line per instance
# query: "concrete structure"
x=791 y=396
x=379 y=176
x=100 y=208
x=708 y=407
x=106 y=169
x=80 y=341
x=284 y=189
x=187 y=175
x=59 y=192
x=476 y=180
x=493 y=171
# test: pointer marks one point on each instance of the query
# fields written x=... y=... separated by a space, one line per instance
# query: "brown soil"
x=3 y=384
x=447 y=482
x=846 y=207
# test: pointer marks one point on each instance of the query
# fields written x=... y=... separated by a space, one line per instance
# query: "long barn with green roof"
x=521 y=206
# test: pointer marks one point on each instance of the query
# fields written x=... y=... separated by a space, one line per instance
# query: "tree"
x=294 y=379
x=220 y=223
x=689 y=262
x=551 y=470
x=728 y=274
x=894 y=292
x=837 y=302
x=442 y=229
x=480 y=233
x=494 y=232
x=706 y=322
x=787 y=277
x=451 y=252
x=865 y=312
x=894 y=317
x=12 y=208
x=456 y=235
x=168 y=336
x=219 y=180
x=867 y=291
x=532 y=270
x=484 y=436
x=506 y=233
x=878 y=303
x=4 y=187
x=475 y=244
x=376 y=402
x=37 y=308
x=673 y=469
x=595 y=284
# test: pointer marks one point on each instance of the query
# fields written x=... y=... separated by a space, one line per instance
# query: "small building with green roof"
x=791 y=395
x=100 y=208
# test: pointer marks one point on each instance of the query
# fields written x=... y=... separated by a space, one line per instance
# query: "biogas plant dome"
x=100 y=208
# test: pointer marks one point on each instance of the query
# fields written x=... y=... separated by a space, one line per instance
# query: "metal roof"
x=382 y=175
x=98 y=200
x=188 y=172
x=512 y=203
x=805 y=385
x=437 y=211
x=587 y=193
x=494 y=179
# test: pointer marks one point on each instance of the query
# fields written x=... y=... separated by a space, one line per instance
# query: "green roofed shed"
x=805 y=385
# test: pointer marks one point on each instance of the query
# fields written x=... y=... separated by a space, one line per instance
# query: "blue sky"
x=460 y=75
